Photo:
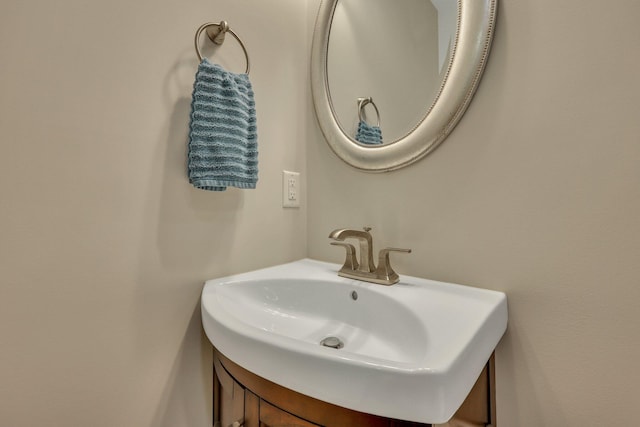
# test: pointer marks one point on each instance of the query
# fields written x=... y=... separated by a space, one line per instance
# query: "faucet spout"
x=366 y=245
x=365 y=269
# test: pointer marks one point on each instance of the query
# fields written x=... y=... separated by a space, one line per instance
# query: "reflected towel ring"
x=217 y=36
x=362 y=102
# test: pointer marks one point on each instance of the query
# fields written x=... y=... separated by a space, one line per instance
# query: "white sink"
x=410 y=351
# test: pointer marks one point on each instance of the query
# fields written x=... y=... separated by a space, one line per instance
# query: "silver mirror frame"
x=476 y=21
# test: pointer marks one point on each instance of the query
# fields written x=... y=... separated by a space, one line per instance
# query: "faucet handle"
x=384 y=270
x=350 y=262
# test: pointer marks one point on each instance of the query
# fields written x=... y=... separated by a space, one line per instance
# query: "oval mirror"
x=390 y=80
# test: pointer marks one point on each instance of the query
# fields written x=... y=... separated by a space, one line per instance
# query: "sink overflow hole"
x=333 y=342
x=354 y=295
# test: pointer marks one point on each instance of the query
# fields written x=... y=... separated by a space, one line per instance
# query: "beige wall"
x=104 y=245
x=537 y=194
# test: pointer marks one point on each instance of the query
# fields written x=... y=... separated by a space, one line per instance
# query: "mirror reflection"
x=386 y=61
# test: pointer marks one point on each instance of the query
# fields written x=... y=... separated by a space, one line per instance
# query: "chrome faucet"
x=365 y=269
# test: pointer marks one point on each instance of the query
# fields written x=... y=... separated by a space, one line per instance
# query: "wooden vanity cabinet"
x=241 y=398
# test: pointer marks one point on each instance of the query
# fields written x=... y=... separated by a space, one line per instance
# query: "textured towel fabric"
x=367 y=134
x=223 y=139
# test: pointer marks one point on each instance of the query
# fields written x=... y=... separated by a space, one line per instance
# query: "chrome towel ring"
x=216 y=34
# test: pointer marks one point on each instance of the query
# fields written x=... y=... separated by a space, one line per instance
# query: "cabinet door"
x=270 y=416
x=228 y=398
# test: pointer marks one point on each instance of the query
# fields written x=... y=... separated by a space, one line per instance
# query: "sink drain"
x=333 y=342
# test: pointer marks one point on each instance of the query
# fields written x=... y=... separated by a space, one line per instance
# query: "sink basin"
x=410 y=351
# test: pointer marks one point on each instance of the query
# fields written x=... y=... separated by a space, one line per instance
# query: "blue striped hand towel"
x=368 y=134
x=223 y=139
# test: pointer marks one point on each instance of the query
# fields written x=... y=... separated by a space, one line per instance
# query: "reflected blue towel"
x=367 y=134
x=223 y=139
